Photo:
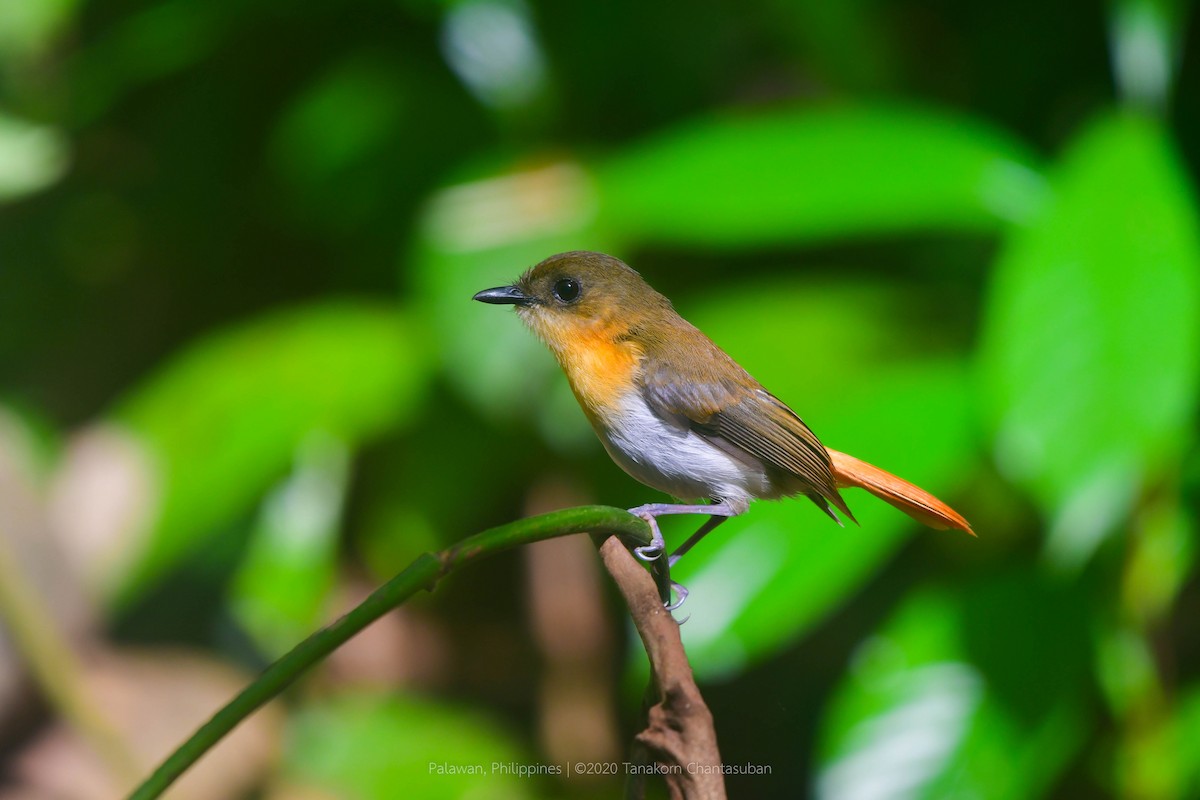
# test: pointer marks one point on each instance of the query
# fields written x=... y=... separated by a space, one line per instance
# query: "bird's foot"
x=671 y=593
x=681 y=592
x=658 y=545
x=654 y=552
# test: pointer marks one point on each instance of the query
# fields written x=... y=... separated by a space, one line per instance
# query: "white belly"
x=676 y=460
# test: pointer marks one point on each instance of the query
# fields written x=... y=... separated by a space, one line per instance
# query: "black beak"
x=504 y=295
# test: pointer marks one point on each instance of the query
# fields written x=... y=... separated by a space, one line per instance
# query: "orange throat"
x=601 y=364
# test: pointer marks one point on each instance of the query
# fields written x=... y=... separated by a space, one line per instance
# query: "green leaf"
x=284 y=579
x=764 y=579
x=1090 y=349
x=224 y=418
x=372 y=746
x=800 y=176
x=927 y=711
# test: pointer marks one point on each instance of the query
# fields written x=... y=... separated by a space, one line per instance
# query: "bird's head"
x=578 y=295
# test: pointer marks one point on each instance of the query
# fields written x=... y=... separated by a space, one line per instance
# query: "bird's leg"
x=721 y=509
x=652 y=511
x=692 y=540
x=659 y=568
x=719 y=512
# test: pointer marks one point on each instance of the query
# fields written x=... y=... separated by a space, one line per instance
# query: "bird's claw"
x=650 y=552
x=681 y=591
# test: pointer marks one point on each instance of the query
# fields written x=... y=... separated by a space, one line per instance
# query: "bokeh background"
x=242 y=383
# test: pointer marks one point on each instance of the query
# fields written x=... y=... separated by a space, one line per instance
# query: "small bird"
x=677 y=413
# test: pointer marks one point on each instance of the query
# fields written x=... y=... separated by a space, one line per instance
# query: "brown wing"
x=720 y=401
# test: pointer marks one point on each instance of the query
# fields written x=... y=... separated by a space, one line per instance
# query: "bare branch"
x=679 y=736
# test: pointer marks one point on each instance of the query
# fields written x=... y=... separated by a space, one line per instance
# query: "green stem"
x=424 y=573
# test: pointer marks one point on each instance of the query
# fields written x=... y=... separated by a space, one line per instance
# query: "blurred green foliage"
x=961 y=239
x=224 y=419
x=378 y=745
x=862 y=171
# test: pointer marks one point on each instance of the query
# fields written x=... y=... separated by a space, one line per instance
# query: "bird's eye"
x=566 y=290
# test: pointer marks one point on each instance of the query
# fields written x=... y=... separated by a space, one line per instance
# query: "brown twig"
x=679 y=737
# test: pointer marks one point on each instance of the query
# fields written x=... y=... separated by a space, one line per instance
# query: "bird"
x=680 y=415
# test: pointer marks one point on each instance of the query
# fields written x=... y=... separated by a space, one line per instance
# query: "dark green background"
x=960 y=239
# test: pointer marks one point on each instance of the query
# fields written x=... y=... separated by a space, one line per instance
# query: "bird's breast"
x=601 y=368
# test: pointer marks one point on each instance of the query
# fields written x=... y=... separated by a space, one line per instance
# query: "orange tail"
x=912 y=500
